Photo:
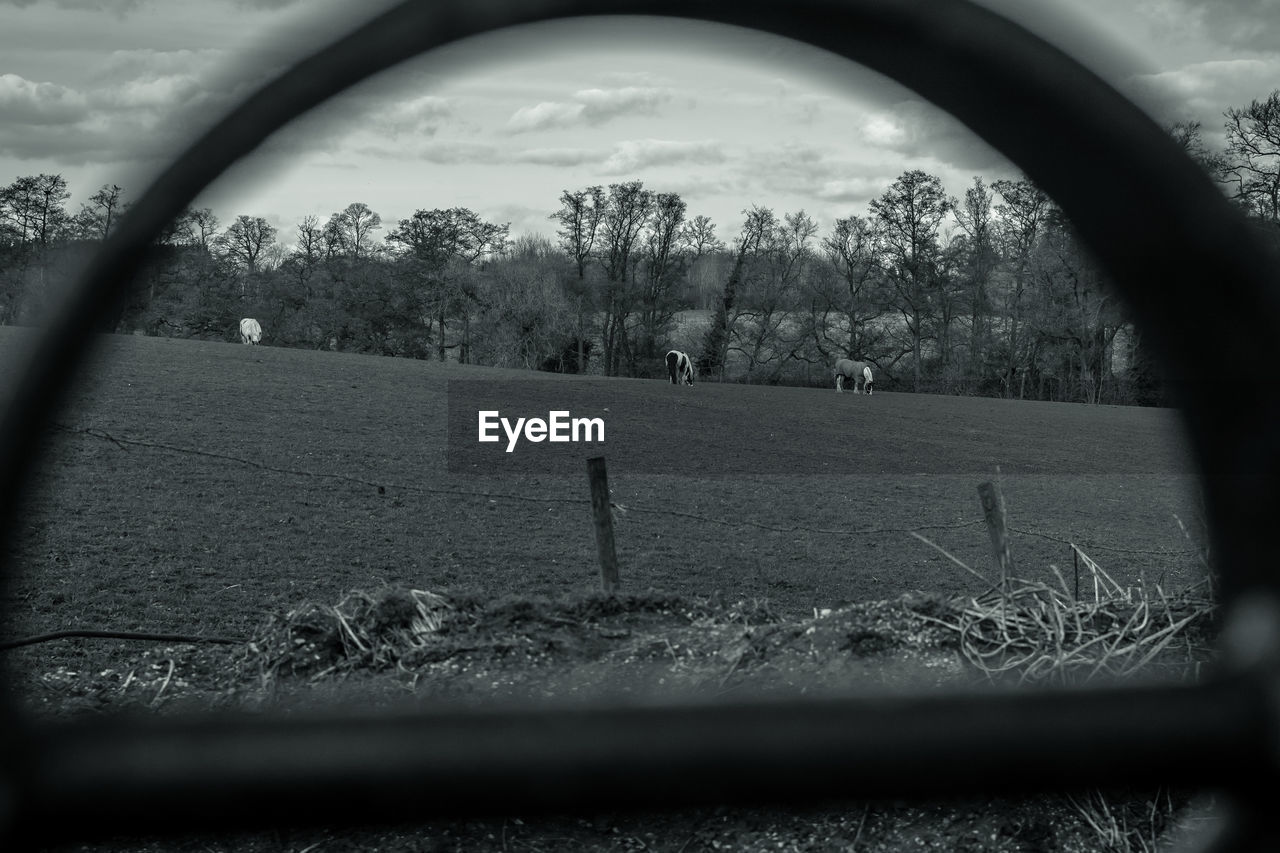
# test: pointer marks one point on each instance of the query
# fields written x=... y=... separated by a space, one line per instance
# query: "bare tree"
x=979 y=259
x=527 y=316
x=625 y=215
x=768 y=301
x=1188 y=135
x=440 y=250
x=99 y=214
x=33 y=208
x=34 y=219
x=1077 y=314
x=699 y=235
x=663 y=261
x=1253 y=156
x=247 y=241
x=757 y=228
x=1021 y=222
x=853 y=293
x=197 y=228
x=579 y=216
x=909 y=214
x=351 y=229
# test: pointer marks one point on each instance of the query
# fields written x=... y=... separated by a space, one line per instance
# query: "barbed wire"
x=795 y=528
x=1157 y=552
x=125 y=443
x=299 y=472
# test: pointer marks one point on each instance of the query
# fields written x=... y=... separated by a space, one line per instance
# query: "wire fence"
x=126 y=443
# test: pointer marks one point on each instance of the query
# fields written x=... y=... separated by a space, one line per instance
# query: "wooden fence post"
x=993 y=511
x=602 y=514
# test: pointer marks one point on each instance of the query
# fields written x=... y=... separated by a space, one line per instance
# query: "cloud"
x=1203 y=91
x=158 y=94
x=701 y=184
x=916 y=129
x=419 y=116
x=788 y=167
x=523 y=219
x=1251 y=24
x=137 y=106
x=600 y=105
x=123 y=7
x=119 y=7
x=808 y=106
x=799 y=170
x=271 y=5
x=25 y=102
x=147 y=63
x=544 y=115
x=636 y=154
x=634 y=78
x=456 y=152
x=559 y=156
x=590 y=106
x=860 y=189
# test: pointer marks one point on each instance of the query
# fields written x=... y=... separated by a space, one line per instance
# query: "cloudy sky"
x=101 y=91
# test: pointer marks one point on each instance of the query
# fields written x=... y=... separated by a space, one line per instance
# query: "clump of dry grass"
x=364 y=629
x=1048 y=633
x=1134 y=824
x=1038 y=632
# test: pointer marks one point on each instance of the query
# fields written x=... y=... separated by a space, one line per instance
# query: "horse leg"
x=839 y=383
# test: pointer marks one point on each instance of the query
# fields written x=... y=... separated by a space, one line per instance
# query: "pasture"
x=205 y=488
x=194 y=487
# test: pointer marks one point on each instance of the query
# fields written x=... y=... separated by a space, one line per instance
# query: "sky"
x=105 y=92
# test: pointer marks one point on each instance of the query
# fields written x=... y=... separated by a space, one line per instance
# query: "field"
x=202 y=488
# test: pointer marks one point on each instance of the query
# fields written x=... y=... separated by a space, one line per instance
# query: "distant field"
x=161 y=531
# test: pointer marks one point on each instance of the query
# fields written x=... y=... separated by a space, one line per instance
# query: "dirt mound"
x=379 y=647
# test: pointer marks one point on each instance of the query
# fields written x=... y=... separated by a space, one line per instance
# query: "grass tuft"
x=372 y=630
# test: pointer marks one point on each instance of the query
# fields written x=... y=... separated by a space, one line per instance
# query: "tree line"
x=991 y=293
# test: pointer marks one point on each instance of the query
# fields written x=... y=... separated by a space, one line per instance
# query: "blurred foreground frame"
x=1155 y=222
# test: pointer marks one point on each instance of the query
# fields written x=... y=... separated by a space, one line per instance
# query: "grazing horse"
x=250 y=331
x=855 y=370
x=679 y=367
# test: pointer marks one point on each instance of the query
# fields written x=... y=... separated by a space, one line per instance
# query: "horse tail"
x=673 y=362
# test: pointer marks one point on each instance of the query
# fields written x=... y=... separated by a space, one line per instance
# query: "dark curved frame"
x=1155 y=222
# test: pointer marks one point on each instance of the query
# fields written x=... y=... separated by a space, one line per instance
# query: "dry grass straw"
x=1125 y=823
x=372 y=630
x=1036 y=632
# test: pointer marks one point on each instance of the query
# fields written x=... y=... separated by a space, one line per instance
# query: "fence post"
x=602 y=514
x=993 y=511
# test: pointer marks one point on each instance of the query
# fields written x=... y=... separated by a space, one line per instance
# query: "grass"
x=1040 y=632
x=308 y=502
x=386 y=646
x=205 y=485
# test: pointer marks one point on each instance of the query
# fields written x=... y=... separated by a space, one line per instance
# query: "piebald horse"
x=847 y=368
x=250 y=331
x=679 y=367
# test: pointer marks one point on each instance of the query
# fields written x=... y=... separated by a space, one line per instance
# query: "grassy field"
x=208 y=488
x=196 y=487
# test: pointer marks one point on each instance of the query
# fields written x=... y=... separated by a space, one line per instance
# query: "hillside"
x=228 y=491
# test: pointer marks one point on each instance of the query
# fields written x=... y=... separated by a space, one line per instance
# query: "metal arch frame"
x=1156 y=224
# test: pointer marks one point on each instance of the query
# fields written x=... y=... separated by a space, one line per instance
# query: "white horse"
x=679 y=367
x=847 y=368
x=250 y=331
